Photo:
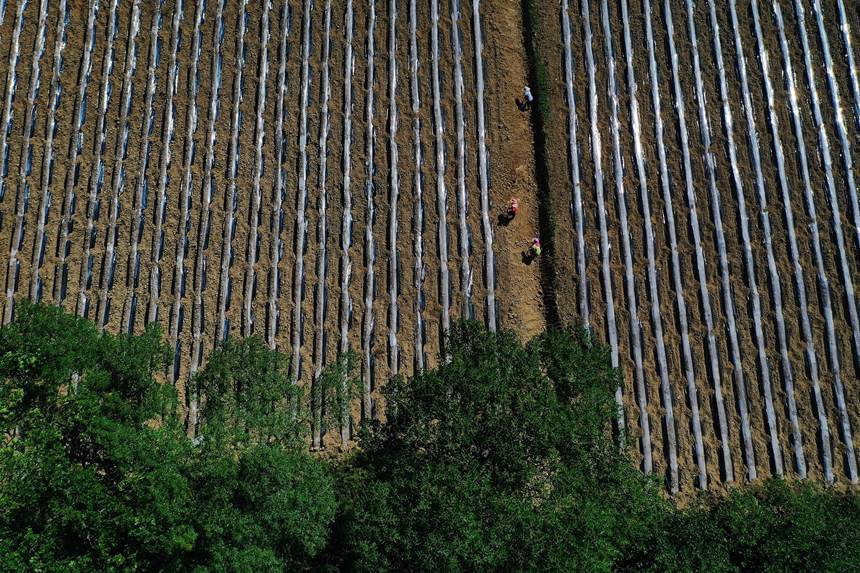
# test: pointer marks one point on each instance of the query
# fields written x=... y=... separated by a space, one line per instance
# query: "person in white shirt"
x=527 y=98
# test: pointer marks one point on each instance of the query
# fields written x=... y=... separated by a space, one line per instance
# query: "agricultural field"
x=324 y=174
x=707 y=226
x=329 y=175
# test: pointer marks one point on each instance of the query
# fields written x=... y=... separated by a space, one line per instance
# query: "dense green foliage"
x=98 y=474
x=501 y=459
x=770 y=527
x=497 y=460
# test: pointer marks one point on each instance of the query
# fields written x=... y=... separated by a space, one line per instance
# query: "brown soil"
x=551 y=55
x=522 y=290
x=509 y=146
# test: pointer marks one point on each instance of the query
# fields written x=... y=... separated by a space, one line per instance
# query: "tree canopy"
x=97 y=472
x=500 y=459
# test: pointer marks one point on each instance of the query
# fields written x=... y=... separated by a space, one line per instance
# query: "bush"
x=92 y=469
x=773 y=526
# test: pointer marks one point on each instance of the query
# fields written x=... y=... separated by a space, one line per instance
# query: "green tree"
x=97 y=472
x=500 y=459
x=92 y=463
x=263 y=502
x=247 y=396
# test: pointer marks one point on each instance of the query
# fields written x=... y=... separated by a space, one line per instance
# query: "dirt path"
x=511 y=150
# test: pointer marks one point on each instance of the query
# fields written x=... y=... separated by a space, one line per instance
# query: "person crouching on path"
x=533 y=251
x=513 y=208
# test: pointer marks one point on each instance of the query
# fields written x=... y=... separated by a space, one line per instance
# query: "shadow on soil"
x=545 y=224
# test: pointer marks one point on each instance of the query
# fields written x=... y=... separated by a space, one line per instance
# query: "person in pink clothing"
x=513 y=208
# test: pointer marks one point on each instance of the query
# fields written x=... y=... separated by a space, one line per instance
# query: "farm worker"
x=513 y=207
x=535 y=248
x=527 y=96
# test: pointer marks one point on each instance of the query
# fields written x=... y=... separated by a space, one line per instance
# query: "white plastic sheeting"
x=746 y=244
x=186 y=188
x=48 y=155
x=483 y=171
x=118 y=174
x=167 y=132
x=701 y=272
x=69 y=199
x=97 y=171
x=22 y=199
x=248 y=317
x=597 y=158
x=224 y=286
x=464 y=237
x=321 y=302
x=346 y=221
x=11 y=86
x=627 y=250
x=823 y=280
x=141 y=186
x=393 y=194
x=200 y=263
x=418 y=192
x=653 y=276
x=722 y=257
x=369 y=319
x=797 y=269
x=773 y=271
x=441 y=190
x=573 y=159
